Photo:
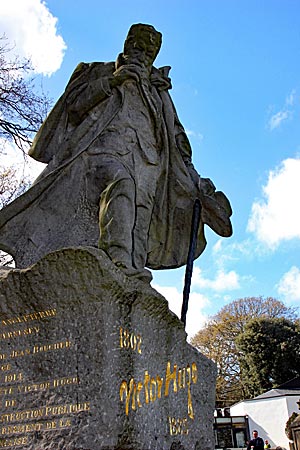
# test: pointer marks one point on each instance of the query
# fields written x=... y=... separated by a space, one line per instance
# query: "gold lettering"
x=194 y=373
x=130 y=340
x=153 y=387
x=181 y=378
x=172 y=426
x=146 y=383
x=159 y=381
x=25 y=388
x=5 y=367
x=20 y=353
x=178 y=426
x=56 y=410
x=30 y=317
x=170 y=377
x=9 y=403
x=51 y=425
x=121 y=337
x=6 y=390
x=11 y=442
x=189 y=381
x=44 y=411
x=124 y=389
x=128 y=393
x=65 y=423
x=65 y=381
x=51 y=347
x=139 y=389
x=152 y=390
x=20 y=332
x=9 y=378
x=21 y=428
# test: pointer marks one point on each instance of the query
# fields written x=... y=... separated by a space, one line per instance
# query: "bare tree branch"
x=22 y=109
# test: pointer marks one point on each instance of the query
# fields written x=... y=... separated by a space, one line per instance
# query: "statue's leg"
x=116 y=221
x=146 y=189
x=124 y=216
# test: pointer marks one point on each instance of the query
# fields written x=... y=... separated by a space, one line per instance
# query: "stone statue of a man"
x=119 y=173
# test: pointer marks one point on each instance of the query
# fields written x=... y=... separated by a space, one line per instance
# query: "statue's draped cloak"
x=55 y=211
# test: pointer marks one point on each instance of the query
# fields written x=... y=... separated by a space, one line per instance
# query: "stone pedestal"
x=91 y=360
x=295 y=427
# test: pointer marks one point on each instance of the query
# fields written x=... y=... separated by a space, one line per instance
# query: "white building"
x=269 y=412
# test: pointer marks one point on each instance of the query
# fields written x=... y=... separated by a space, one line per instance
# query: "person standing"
x=256 y=442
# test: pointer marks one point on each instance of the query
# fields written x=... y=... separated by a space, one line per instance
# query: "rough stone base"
x=91 y=360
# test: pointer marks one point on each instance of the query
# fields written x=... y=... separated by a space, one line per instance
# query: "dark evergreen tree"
x=270 y=353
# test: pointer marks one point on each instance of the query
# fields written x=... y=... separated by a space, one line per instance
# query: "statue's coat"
x=55 y=212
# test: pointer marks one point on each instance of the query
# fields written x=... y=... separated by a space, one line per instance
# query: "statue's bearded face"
x=142 y=45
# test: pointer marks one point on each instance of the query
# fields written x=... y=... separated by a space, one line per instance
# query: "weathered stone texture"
x=81 y=330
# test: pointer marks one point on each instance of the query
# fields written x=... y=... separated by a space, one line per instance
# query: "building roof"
x=291 y=387
x=278 y=393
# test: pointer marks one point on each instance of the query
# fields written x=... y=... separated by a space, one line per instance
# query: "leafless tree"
x=22 y=108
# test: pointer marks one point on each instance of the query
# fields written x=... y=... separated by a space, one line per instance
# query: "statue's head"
x=143 y=40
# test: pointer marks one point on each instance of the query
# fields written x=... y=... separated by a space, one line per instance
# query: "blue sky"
x=236 y=87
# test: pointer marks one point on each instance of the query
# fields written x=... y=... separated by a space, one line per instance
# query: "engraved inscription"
x=14 y=421
x=39 y=315
x=130 y=340
x=44 y=411
x=21 y=428
x=12 y=377
x=14 y=442
x=153 y=388
x=22 y=332
x=37 y=348
x=178 y=426
x=49 y=347
x=36 y=387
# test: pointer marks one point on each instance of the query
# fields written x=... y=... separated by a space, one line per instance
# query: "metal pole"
x=190 y=258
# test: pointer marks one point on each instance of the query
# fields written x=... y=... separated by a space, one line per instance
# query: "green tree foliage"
x=270 y=353
x=217 y=340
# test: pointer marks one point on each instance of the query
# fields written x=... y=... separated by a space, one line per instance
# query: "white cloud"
x=29 y=25
x=218 y=246
x=195 y=318
x=290 y=99
x=276 y=120
x=289 y=285
x=223 y=281
x=191 y=133
x=276 y=217
x=285 y=113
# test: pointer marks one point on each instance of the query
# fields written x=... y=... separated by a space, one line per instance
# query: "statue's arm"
x=83 y=94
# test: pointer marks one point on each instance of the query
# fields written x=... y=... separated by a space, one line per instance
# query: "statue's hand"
x=124 y=73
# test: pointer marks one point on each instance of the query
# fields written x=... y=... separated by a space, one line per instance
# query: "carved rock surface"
x=93 y=360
